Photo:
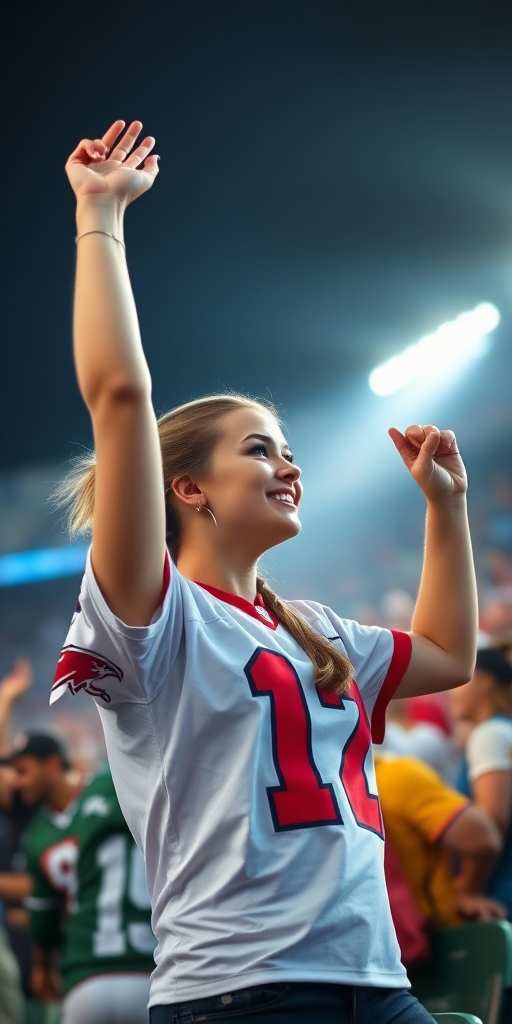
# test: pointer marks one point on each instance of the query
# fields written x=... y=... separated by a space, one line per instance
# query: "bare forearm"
x=475 y=872
x=5 y=726
x=107 y=345
x=14 y=887
x=446 y=610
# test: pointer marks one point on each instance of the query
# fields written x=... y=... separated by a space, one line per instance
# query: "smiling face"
x=252 y=485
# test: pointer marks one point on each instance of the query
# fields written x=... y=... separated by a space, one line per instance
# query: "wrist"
x=451 y=504
x=100 y=211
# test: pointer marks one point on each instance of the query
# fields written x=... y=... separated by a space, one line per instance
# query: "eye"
x=288 y=456
x=258 y=449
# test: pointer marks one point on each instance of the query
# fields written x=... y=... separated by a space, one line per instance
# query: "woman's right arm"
x=128 y=547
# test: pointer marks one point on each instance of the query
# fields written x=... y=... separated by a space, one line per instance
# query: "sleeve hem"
x=454 y=813
x=116 y=624
x=402 y=649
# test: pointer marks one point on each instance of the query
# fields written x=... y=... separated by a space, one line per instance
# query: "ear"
x=184 y=488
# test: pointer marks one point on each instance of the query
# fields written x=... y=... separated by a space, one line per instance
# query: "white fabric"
x=108 y=999
x=235 y=902
x=489 y=747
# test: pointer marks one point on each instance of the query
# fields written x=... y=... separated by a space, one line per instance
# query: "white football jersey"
x=251 y=794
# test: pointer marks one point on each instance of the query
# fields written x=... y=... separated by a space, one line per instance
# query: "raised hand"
x=104 y=166
x=432 y=457
x=16 y=683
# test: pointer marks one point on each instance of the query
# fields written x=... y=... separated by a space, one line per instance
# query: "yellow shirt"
x=417 y=806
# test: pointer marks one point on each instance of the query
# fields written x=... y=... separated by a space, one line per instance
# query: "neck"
x=62 y=793
x=234 y=576
x=492 y=706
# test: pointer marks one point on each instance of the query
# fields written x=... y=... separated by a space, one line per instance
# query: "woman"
x=486 y=704
x=239 y=744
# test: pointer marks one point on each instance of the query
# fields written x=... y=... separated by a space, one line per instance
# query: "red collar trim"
x=245 y=606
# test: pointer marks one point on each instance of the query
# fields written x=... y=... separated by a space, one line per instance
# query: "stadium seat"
x=456 y=1018
x=38 y=1013
x=469 y=969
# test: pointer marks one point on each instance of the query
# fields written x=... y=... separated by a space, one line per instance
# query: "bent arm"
x=476 y=837
x=129 y=513
x=445 y=620
x=473 y=832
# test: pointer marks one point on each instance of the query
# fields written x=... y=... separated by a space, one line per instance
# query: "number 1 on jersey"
x=302 y=800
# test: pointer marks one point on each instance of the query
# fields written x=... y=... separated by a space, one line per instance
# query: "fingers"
x=140 y=153
x=126 y=144
x=397 y=438
x=111 y=135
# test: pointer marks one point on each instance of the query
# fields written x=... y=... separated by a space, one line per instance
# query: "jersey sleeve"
x=111 y=661
x=417 y=791
x=489 y=748
x=379 y=658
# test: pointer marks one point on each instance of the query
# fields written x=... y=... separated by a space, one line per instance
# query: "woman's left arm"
x=445 y=620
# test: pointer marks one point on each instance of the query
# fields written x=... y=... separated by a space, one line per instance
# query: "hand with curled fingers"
x=113 y=168
x=432 y=457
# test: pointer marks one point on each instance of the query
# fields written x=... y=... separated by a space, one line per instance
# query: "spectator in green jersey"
x=90 y=911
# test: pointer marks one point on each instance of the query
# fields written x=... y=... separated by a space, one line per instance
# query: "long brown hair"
x=188 y=435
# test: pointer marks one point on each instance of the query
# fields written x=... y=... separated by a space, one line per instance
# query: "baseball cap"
x=41 y=746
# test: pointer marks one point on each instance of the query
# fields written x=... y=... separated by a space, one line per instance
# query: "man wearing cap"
x=90 y=908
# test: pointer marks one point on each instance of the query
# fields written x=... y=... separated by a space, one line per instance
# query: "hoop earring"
x=199 y=507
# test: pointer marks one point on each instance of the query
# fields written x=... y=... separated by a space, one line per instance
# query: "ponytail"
x=332 y=669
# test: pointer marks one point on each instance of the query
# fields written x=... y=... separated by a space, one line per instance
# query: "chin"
x=287 y=530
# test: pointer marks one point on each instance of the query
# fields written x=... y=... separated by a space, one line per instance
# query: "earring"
x=199 y=507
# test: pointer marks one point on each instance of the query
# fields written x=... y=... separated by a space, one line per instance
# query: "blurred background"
x=335 y=185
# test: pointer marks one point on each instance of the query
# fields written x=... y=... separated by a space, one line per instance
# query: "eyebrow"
x=266 y=439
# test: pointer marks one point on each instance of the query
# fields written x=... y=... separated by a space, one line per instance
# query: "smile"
x=283 y=499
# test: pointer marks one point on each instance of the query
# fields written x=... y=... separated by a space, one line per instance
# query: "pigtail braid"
x=332 y=669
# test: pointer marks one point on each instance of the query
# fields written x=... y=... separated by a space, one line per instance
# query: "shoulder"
x=98 y=801
x=489 y=747
x=362 y=639
x=492 y=728
x=405 y=774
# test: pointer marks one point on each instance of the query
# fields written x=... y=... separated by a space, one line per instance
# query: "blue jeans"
x=298 y=1003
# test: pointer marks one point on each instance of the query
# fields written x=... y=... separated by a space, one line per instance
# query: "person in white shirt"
x=486 y=703
x=239 y=725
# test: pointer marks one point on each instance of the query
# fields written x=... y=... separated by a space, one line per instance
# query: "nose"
x=288 y=472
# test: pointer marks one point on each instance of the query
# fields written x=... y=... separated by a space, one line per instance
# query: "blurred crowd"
x=443 y=774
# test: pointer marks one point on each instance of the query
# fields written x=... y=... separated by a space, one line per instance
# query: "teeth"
x=283 y=497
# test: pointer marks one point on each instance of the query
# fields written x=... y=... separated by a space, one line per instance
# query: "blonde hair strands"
x=188 y=435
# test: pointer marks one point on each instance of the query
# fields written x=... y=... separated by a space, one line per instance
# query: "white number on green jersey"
x=115 y=860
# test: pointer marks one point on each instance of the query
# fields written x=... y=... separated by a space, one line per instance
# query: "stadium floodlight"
x=452 y=343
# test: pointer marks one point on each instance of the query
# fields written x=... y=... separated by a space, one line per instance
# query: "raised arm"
x=445 y=620
x=129 y=511
x=13 y=686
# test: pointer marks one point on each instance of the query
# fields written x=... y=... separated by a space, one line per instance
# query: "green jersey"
x=89 y=895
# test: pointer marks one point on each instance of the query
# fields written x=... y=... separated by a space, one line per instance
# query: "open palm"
x=102 y=166
x=432 y=457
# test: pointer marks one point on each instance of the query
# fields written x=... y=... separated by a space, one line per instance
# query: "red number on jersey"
x=302 y=800
x=365 y=805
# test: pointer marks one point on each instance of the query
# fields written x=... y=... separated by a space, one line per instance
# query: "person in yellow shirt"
x=426 y=823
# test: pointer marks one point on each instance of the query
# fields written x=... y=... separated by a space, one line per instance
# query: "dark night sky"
x=335 y=181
